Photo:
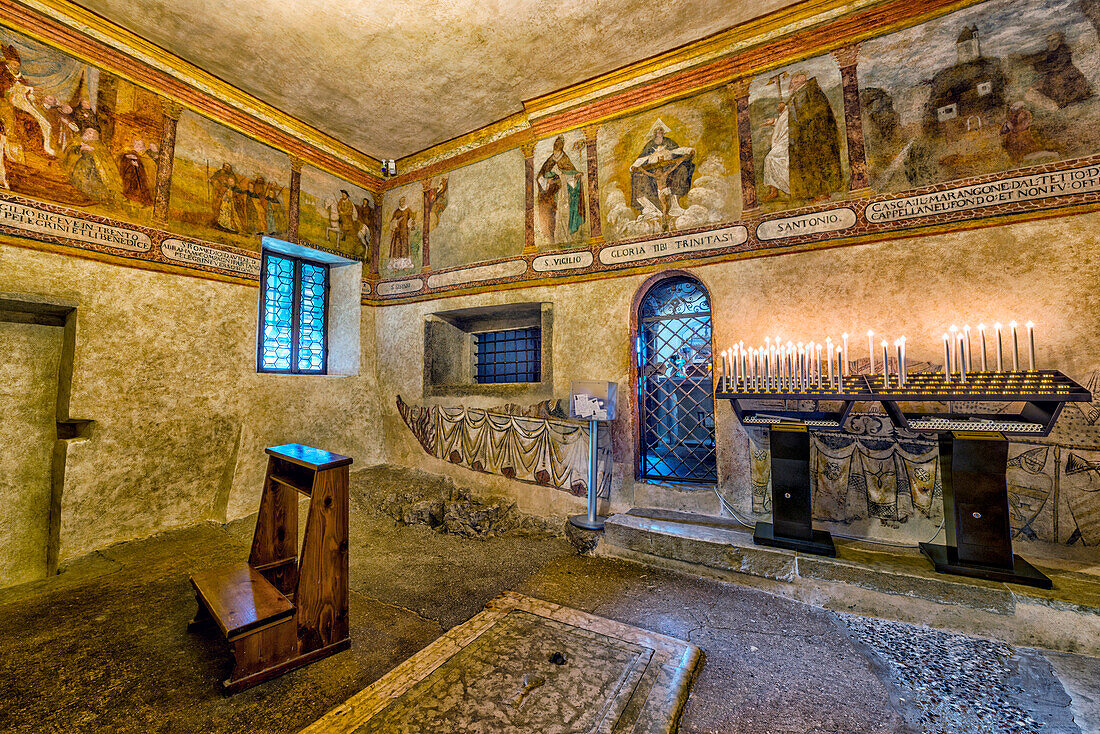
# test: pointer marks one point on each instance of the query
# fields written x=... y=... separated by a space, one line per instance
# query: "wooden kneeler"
x=278 y=611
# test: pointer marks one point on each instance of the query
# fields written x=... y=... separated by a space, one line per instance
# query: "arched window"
x=674 y=393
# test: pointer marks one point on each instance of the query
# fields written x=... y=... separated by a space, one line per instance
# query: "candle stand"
x=973 y=454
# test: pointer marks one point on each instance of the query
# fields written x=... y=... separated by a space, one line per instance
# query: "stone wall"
x=1042 y=271
x=165 y=367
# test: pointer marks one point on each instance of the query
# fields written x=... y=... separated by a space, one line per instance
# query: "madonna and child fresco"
x=76 y=135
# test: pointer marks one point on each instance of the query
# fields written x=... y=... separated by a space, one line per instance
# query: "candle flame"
x=997 y=326
x=844 y=335
x=884 y=342
x=981 y=327
x=953 y=328
x=1012 y=324
x=870 y=333
x=1030 y=324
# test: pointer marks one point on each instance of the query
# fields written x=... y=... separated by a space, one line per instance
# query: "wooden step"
x=240 y=599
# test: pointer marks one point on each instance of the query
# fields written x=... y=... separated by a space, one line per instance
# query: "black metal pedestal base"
x=821 y=545
x=582 y=521
x=1021 y=573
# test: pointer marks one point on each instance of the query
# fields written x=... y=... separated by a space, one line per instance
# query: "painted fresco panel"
x=994 y=87
x=561 y=191
x=799 y=143
x=227 y=187
x=335 y=214
x=75 y=135
x=479 y=215
x=670 y=169
x=402 y=230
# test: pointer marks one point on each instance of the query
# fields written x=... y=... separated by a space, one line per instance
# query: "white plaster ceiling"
x=392 y=77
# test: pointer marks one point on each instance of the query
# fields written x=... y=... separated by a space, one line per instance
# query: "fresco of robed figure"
x=798 y=140
x=560 y=191
x=76 y=135
x=669 y=169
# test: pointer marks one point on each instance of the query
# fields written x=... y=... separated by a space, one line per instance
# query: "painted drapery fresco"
x=536 y=448
x=561 y=192
x=670 y=169
x=402 y=230
x=226 y=187
x=799 y=144
x=994 y=87
x=75 y=135
x=481 y=216
x=335 y=214
x=871 y=474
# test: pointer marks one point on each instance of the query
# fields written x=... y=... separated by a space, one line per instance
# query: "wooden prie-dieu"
x=280 y=611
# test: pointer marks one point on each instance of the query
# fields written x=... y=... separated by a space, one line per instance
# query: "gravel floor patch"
x=954 y=683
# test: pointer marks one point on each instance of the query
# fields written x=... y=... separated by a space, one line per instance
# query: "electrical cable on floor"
x=740 y=520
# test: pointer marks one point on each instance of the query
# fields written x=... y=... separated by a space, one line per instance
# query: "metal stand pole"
x=591 y=521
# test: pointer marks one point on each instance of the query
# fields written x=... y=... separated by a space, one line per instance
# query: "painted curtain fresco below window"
x=294 y=300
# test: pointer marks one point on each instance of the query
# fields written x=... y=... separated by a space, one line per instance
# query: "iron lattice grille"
x=675 y=388
x=514 y=355
x=294 y=298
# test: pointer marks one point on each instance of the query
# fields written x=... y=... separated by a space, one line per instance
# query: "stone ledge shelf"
x=868 y=579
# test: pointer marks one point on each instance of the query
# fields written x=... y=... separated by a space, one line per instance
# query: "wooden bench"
x=282 y=610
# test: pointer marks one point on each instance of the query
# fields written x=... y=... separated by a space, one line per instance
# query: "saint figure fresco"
x=803 y=161
x=402 y=222
x=560 y=195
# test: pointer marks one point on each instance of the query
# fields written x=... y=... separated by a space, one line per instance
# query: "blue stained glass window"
x=294 y=297
x=311 y=318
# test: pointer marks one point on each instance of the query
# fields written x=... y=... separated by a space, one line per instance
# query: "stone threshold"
x=876 y=580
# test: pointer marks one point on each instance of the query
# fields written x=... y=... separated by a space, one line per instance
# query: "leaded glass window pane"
x=294 y=297
x=276 y=342
x=675 y=388
x=311 y=318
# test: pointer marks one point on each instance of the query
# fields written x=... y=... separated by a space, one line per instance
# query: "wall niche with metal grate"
x=502 y=350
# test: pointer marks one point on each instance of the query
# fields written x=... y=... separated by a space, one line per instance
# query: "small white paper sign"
x=587 y=406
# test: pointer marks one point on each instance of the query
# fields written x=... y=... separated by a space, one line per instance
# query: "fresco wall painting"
x=669 y=169
x=994 y=87
x=227 y=187
x=480 y=214
x=799 y=140
x=336 y=215
x=402 y=231
x=75 y=135
x=561 y=191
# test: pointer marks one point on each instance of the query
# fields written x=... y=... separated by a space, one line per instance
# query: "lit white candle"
x=829 y=359
x=902 y=367
x=946 y=358
x=871 y=351
x=962 y=358
x=954 y=331
x=817 y=363
x=774 y=381
x=736 y=375
x=839 y=370
x=844 y=361
x=1015 y=347
x=1000 y=347
x=969 y=352
x=885 y=365
x=1030 y=345
x=756 y=369
x=722 y=382
x=981 y=336
x=800 y=369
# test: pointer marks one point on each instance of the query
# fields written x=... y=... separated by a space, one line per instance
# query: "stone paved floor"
x=103 y=647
